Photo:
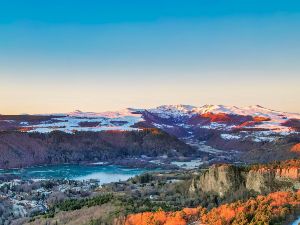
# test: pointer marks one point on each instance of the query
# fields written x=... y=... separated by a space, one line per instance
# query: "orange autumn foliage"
x=287 y=164
x=164 y=218
x=285 y=169
x=262 y=209
x=296 y=148
x=25 y=129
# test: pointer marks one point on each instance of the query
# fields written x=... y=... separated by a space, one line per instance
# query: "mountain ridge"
x=246 y=134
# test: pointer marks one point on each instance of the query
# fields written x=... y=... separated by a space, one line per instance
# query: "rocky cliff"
x=260 y=181
x=291 y=172
x=219 y=179
x=224 y=179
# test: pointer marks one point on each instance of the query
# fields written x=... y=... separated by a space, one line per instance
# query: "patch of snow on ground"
x=215 y=126
x=195 y=163
x=264 y=139
x=201 y=146
x=9 y=121
x=230 y=137
x=162 y=125
x=72 y=122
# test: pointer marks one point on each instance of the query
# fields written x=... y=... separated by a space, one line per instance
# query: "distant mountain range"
x=254 y=122
x=238 y=134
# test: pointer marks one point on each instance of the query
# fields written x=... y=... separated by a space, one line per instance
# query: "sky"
x=99 y=55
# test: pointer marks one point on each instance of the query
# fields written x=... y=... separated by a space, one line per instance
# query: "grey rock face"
x=224 y=179
x=261 y=181
x=219 y=179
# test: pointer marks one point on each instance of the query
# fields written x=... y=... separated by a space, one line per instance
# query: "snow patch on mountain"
x=70 y=122
x=109 y=114
x=230 y=137
x=266 y=124
x=274 y=121
x=172 y=111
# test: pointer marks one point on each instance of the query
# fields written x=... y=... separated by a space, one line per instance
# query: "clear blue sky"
x=62 y=55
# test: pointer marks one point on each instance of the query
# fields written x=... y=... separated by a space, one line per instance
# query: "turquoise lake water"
x=104 y=174
x=296 y=222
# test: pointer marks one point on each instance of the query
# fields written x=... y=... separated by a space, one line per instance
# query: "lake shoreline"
x=293 y=218
x=163 y=163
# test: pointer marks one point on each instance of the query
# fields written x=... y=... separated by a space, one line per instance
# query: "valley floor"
x=268 y=195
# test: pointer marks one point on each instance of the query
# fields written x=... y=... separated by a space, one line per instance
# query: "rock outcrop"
x=291 y=173
x=224 y=179
x=219 y=179
x=261 y=181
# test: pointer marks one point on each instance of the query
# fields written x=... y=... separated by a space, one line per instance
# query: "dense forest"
x=26 y=149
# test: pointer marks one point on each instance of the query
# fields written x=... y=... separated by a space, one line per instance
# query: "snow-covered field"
x=193 y=164
x=119 y=120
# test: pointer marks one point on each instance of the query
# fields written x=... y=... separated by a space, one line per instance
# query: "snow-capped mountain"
x=175 y=111
x=215 y=132
x=264 y=118
x=108 y=114
x=254 y=123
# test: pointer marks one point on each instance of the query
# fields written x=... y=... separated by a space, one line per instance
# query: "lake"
x=105 y=174
x=296 y=222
